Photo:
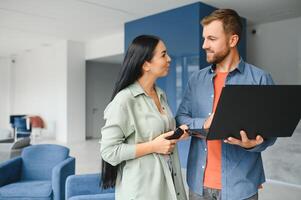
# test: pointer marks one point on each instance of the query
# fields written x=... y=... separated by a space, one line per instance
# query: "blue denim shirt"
x=242 y=169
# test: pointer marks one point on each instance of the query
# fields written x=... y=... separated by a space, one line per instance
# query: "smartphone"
x=176 y=135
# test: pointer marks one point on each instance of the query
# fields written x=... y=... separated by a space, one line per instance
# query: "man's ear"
x=233 y=40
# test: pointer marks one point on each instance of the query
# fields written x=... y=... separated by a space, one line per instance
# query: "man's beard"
x=218 y=57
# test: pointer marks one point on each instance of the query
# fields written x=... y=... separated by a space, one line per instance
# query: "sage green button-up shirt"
x=131 y=118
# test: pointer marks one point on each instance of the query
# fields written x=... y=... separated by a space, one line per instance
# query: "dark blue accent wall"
x=181 y=31
x=178 y=28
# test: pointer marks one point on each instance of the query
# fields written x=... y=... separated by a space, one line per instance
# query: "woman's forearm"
x=143 y=149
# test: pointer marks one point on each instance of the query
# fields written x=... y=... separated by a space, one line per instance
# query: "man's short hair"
x=231 y=20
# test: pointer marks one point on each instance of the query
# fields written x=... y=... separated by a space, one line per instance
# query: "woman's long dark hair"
x=140 y=50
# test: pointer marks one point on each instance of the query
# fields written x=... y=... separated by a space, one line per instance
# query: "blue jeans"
x=213 y=194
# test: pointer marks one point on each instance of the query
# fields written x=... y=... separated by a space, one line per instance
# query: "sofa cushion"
x=106 y=196
x=26 y=189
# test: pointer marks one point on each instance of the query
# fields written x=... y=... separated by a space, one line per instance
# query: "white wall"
x=5 y=73
x=39 y=85
x=276 y=47
x=107 y=46
x=50 y=82
x=299 y=56
x=76 y=95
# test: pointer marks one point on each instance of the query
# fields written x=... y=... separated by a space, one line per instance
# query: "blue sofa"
x=39 y=173
x=86 y=187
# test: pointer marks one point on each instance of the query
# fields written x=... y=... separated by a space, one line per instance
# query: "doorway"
x=100 y=80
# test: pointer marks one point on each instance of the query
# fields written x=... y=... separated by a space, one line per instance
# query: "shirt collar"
x=136 y=90
x=240 y=68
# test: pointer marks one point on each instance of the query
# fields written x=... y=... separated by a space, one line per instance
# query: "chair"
x=10 y=149
x=39 y=173
x=86 y=187
x=21 y=128
x=37 y=124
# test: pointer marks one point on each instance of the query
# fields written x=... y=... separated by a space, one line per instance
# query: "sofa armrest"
x=59 y=175
x=10 y=171
x=84 y=185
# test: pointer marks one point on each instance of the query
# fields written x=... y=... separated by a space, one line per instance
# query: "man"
x=230 y=169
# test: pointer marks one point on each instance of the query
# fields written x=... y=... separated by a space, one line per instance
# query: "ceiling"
x=28 y=24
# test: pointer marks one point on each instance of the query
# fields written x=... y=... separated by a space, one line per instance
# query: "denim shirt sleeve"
x=113 y=148
x=266 y=79
x=184 y=113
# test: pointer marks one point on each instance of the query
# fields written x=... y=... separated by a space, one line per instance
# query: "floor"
x=88 y=161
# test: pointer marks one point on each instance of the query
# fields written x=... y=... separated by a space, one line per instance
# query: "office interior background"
x=59 y=60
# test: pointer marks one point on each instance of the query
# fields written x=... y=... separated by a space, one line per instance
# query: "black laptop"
x=268 y=110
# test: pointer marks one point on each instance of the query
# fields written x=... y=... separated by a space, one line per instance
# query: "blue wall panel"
x=178 y=28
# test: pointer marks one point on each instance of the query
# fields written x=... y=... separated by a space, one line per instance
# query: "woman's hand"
x=163 y=146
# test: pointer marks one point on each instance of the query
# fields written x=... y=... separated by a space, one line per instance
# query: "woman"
x=137 y=157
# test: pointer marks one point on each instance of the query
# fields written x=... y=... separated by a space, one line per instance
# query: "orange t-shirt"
x=213 y=170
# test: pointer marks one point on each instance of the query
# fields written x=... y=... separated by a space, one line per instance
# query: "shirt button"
x=175 y=174
x=205 y=149
x=212 y=96
x=178 y=193
x=203 y=167
x=209 y=113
